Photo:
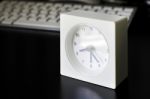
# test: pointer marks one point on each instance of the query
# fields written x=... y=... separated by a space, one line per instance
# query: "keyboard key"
x=107 y=8
x=124 y=14
x=42 y=16
x=52 y=13
x=67 y=6
x=87 y=7
x=111 y=12
x=31 y=19
x=128 y=9
x=59 y=5
x=77 y=7
x=118 y=9
x=16 y=10
x=43 y=12
x=42 y=19
x=97 y=8
x=23 y=14
x=34 y=11
x=52 y=20
x=39 y=5
x=1 y=19
x=25 y=11
x=52 y=17
x=101 y=11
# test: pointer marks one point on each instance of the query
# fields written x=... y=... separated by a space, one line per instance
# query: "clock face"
x=90 y=48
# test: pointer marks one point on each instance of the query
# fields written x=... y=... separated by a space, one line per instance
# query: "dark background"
x=30 y=65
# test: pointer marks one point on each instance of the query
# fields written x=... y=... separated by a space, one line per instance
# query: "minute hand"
x=99 y=57
x=95 y=57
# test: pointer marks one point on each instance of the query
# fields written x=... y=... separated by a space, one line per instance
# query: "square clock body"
x=94 y=47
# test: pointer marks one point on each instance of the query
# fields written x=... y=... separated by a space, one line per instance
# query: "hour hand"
x=81 y=50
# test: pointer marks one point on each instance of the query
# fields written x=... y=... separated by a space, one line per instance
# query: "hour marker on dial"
x=82 y=61
x=77 y=53
x=77 y=35
x=75 y=43
x=91 y=65
x=99 y=65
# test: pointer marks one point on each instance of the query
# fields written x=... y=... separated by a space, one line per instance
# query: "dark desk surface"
x=75 y=89
x=31 y=63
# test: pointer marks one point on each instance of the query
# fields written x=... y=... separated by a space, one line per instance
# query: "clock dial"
x=90 y=48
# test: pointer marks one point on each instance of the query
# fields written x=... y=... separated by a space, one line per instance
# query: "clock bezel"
x=71 y=55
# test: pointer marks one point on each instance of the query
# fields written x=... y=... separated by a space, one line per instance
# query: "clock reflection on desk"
x=75 y=89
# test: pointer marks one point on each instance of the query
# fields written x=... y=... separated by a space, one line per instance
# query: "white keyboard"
x=38 y=15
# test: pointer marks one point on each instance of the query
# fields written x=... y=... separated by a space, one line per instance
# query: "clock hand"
x=95 y=57
x=90 y=56
x=99 y=57
x=81 y=50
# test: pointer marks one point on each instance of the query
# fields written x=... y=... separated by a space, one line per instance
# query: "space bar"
x=37 y=25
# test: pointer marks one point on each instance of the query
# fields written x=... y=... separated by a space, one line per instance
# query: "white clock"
x=88 y=47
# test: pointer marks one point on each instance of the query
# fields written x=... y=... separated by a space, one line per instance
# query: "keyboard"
x=46 y=16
